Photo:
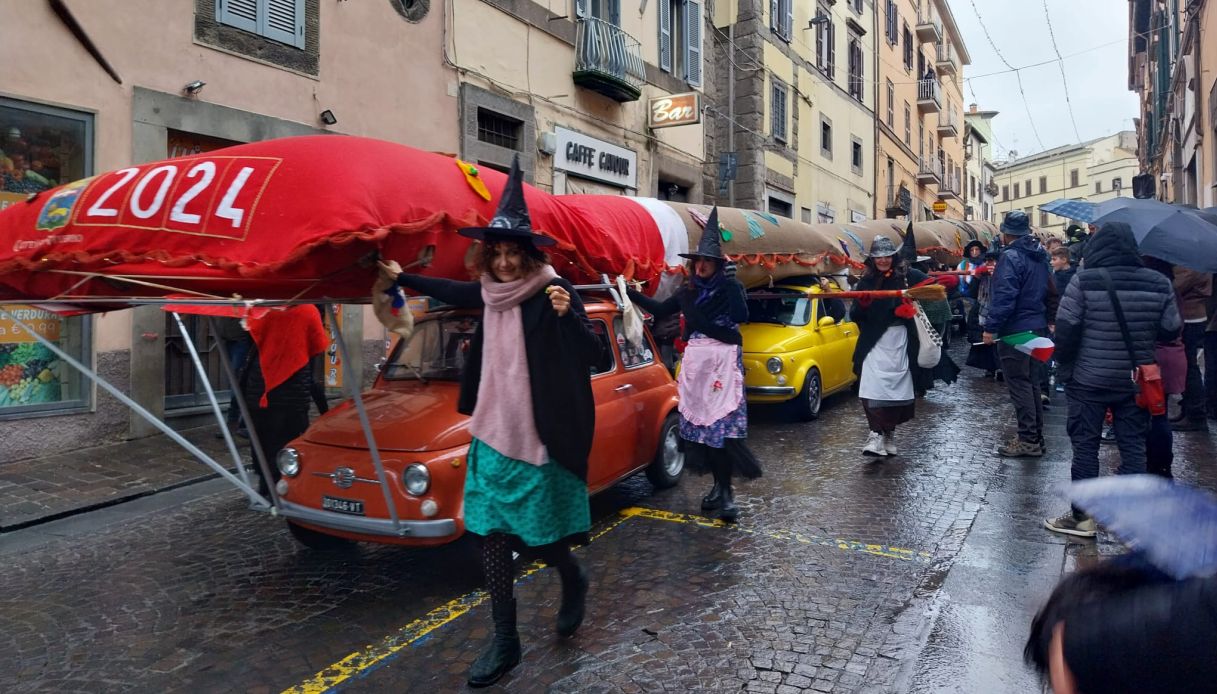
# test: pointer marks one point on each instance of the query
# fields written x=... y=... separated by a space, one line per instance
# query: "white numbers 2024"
x=204 y=171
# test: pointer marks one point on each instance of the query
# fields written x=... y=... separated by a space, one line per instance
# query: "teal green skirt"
x=539 y=504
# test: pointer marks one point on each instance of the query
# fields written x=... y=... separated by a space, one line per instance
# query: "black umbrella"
x=1179 y=235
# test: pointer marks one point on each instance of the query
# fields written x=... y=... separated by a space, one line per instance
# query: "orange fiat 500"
x=330 y=491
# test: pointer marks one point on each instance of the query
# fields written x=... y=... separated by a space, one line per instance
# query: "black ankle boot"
x=712 y=500
x=728 y=511
x=574 y=599
x=503 y=653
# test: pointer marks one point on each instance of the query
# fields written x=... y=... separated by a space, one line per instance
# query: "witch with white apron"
x=713 y=411
x=885 y=358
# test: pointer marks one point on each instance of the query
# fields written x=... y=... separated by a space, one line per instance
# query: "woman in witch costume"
x=526 y=478
x=713 y=411
x=885 y=358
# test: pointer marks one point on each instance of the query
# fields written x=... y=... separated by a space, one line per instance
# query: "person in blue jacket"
x=1023 y=296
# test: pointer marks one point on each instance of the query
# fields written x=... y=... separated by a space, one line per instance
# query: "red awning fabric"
x=294 y=218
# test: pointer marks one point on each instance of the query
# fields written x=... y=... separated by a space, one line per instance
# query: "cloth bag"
x=929 y=351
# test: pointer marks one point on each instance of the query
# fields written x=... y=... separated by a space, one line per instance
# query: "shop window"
x=40 y=148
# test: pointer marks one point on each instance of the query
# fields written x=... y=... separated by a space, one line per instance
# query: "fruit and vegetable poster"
x=29 y=372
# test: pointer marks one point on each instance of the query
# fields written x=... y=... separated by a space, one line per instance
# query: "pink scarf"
x=505 y=391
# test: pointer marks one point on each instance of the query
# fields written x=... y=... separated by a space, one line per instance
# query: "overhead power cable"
x=1017 y=76
x=1060 y=63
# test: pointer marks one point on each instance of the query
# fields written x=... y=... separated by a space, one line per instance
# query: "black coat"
x=729 y=300
x=561 y=353
x=1090 y=349
x=874 y=319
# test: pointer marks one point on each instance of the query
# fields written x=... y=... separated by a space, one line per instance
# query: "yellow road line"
x=360 y=661
x=786 y=535
x=406 y=636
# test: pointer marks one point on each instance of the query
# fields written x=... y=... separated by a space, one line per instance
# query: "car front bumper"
x=438 y=528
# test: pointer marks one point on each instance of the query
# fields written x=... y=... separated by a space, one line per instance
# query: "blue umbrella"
x=1078 y=210
x=1173 y=525
x=1179 y=235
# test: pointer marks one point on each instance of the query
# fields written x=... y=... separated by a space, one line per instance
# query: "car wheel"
x=314 y=540
x=664 y=471
x=806 y=405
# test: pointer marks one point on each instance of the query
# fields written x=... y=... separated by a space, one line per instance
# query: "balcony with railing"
x=929 y=170
x=608 y=60
x=951 y=186
x=929 y=24
x=948 y=123
x=947 y=62
x=899 y=200
x=929 y=96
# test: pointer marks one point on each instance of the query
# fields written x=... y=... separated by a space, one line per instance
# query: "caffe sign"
x=677 y=109
x=596 y=159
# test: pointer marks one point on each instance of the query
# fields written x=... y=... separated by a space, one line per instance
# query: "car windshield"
x=784 y=310
x=436 y=351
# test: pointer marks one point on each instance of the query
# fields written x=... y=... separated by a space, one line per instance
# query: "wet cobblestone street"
x=917 y=573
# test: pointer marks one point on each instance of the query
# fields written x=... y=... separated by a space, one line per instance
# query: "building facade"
x=85 y=92
x=980 y=190
x=1175 y=76
x=1094 y=171
x=571 y=89
x=919 y=153
x=793 y=108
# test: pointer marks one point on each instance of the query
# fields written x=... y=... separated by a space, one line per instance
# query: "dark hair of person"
x=1102 y=582
x=534 y=257
x=1060 y=252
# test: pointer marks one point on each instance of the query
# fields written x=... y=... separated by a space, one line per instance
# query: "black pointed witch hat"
x=511 y=221
x=710 y=245
x=908 y=249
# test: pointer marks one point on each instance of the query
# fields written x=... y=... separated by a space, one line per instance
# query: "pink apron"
x=711 y=385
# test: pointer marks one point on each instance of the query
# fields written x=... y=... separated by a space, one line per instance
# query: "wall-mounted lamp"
x=328 y=117
x=817 y=20
x=194 y=88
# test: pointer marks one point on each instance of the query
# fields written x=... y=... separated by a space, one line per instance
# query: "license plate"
x=347 y=506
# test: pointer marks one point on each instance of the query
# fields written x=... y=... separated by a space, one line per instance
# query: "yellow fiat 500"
x=798 y=346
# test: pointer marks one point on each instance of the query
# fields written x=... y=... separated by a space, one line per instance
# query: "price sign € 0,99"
x=208 y=196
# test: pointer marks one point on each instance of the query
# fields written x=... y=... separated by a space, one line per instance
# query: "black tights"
x=499 y=567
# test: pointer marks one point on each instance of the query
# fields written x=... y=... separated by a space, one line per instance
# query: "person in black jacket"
x=713 y=409
x=526 y=477
x=1093 y=359
x=885 y=358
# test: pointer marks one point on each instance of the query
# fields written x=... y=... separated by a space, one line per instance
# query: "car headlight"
x=417 y=479
x=289 y=462
x=774 y=365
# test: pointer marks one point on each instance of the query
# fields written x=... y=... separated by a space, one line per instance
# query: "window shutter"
x=283 y=21
x=614 y=12
x=242 y=14
x=581 y=9
x=787 y=18
x=693 y=21
x=832 y=47
x=774 y=13
x=665 y=33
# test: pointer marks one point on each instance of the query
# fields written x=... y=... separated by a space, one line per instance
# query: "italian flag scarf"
x=1040 y=348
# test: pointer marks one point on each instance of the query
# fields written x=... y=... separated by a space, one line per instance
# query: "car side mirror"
x=826 y=321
